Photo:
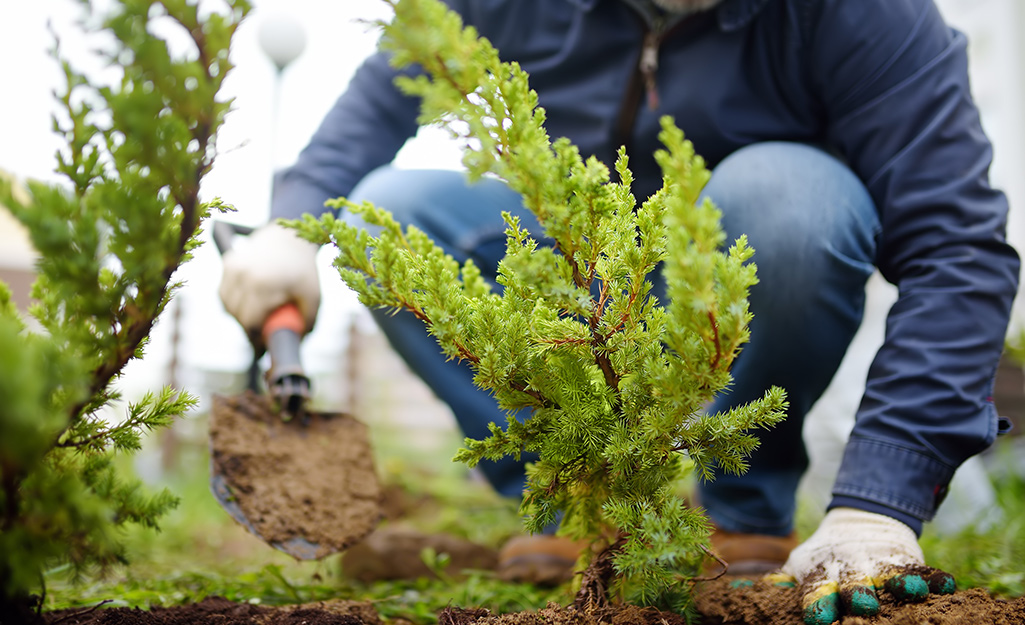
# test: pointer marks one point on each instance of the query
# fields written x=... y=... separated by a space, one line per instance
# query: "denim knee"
x=813 y=227
x=403 y=192
x=463 y=218
x=800 y=207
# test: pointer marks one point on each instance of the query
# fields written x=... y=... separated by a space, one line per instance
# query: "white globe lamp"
x=282 y=39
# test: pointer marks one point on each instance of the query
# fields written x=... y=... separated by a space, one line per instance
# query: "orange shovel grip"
x=286 y=317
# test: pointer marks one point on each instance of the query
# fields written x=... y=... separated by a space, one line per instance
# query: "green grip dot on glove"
x=860 y=600
x=825 y=603
x=852 y=557
x=907 y=587
x=822 y=604
x=940 y=582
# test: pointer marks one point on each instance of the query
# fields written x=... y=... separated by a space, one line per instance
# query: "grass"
x=989 y=556
x=201 y=552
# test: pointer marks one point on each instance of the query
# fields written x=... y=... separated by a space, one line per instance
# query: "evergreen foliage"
x=615 y=381
x=109 y=242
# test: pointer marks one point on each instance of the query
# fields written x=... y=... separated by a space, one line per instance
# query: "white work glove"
x=272 y=267
x=850 y=556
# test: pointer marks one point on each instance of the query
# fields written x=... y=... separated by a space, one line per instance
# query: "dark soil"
x=761 y=604
x=224 y=612
x=718 y=603
x=219 y=611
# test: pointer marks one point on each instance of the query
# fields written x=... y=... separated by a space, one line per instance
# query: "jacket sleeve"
x=894 y=86
x=364 y=130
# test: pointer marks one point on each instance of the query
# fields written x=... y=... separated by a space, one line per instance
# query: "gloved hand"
x=273 y=267
x=853 y=554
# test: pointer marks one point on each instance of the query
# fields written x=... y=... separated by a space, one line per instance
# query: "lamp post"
x=282 y=38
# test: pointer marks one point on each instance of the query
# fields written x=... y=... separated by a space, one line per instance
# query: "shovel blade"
x=306 y=487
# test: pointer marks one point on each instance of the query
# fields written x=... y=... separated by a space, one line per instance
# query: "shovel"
x=301 y=480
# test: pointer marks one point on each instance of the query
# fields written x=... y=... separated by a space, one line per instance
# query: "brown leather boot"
x=750 y=554
x=541 y=560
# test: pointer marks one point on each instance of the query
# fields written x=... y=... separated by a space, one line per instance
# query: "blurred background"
x=319 y=44
x=292 y=61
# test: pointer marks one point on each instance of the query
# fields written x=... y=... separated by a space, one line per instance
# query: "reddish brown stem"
x=714 y=556
x=715 y=339
x=599 y=341
x=140 y=323
x=626 y=315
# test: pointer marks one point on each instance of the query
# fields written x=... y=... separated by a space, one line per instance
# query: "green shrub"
x=615 y=381
x=109 y=242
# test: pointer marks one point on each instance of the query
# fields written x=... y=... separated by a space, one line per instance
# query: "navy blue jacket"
x=881 y=83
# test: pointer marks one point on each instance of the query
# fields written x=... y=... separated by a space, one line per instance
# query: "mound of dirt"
x=719 y=603
x=223 y=612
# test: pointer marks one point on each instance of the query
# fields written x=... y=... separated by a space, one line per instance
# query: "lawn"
x=201 y=552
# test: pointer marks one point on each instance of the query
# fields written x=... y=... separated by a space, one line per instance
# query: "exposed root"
x=594 y=587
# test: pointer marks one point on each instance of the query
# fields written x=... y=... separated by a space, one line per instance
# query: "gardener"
x=842 y=137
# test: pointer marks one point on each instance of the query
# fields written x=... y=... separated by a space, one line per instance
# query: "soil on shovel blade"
x=314 y=481
x=719 y=603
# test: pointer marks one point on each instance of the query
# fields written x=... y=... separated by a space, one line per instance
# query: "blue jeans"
x=813 y=227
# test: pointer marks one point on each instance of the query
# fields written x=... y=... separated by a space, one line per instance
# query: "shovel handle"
x=286 y=381
x=224 y=234
x=286 y=317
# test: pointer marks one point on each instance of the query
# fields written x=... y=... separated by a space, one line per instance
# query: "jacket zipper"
x=640 y=83
x=643 y=82
x=648 y=64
